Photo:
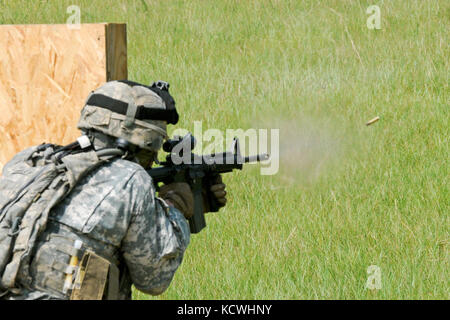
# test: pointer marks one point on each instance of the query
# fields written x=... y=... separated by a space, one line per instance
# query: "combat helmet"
x=131 y=111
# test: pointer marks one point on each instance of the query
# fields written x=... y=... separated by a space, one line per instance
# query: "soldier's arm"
x=155 y=243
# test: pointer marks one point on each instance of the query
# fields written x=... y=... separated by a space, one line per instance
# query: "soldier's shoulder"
x=125 y=165
x=124 y=169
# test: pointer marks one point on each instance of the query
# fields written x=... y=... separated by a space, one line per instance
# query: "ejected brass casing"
x=368 y=123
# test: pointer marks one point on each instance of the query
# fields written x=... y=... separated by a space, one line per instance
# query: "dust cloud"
x=308 y=150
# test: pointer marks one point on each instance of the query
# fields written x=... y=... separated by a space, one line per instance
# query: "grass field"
x=347 y=196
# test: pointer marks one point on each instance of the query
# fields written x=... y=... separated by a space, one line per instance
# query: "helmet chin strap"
x=146 y=158
x=133 y=153
x=101 y=140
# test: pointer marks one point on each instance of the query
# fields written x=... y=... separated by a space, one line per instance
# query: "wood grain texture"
x=116 y=51
x=46 y=73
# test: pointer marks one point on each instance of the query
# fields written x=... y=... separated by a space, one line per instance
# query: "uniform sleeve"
x=155 y=243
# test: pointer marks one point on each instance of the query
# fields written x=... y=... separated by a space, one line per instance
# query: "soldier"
x=112 y=222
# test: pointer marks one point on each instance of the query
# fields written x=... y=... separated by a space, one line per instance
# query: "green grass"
x=313 y=68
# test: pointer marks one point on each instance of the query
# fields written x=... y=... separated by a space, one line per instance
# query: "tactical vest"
x=32 y=183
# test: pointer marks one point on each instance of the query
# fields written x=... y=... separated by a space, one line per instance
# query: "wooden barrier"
x=46 y=73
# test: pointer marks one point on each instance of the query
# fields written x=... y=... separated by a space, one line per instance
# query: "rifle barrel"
x=255 y=158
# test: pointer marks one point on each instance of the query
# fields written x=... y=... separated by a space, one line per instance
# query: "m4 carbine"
x=199 y=171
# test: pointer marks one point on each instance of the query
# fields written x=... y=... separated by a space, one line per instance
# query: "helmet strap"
x=131 y=114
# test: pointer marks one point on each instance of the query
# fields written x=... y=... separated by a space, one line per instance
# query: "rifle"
x=199 y=171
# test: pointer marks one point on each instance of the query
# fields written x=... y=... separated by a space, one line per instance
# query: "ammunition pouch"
x=96 y=279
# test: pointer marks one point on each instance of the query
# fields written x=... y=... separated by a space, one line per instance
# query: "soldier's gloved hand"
x=218 y=190
x=178 y=195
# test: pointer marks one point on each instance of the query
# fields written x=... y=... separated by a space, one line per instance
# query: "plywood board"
x=46 y=73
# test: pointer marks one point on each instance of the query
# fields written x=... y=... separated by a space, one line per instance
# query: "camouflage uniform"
x=113 y=210
x=115 y=213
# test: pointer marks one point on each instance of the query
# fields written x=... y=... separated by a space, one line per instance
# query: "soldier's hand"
x=218 y=190
x=179 y=195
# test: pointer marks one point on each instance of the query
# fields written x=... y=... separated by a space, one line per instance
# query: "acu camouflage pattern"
x=148 y=134
x=30 y=186
x=113 y=210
